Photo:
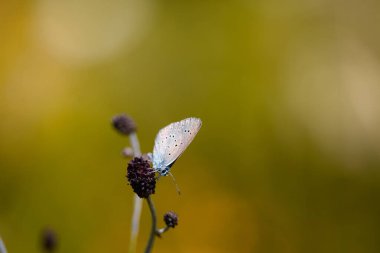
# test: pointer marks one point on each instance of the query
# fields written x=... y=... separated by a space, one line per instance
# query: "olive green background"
x=287 y=159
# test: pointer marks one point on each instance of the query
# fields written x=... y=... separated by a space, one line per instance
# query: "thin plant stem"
x=137 y=202
x=135 y=144
x=160 y=231
x=2 y=246
x=153 y=231
x=137 y=207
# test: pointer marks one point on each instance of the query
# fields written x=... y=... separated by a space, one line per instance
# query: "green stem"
x=153 y=231
x=160 y=231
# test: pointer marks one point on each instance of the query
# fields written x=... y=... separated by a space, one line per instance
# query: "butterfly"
x=171 y=141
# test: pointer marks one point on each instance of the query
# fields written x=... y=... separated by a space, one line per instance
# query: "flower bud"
x=171 y=219
x=124 y=124
x=49 y=240
x=127 y=152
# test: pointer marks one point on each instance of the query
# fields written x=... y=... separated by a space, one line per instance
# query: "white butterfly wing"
x=172 y=140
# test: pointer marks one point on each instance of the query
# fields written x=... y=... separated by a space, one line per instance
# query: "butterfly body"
x=171 y=141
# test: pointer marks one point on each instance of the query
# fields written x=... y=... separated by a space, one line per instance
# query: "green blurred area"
x=287 y=159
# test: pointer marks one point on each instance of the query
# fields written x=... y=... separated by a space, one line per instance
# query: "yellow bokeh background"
x=287 y=159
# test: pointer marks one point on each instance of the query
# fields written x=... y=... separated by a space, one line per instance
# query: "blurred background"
x=287 y=159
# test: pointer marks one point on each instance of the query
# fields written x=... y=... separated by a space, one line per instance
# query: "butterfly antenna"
x=175 y=183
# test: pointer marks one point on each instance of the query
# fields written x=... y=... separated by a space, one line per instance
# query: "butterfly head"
x=164 y=171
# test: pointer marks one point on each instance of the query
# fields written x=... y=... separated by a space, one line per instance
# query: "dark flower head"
x=49 y=240
x=171 y=219
x=124 y=124
x=141 y=177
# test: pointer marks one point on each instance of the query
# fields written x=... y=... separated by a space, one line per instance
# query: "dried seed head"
x=124 y=124
x=141 y=177
x=171 y=219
